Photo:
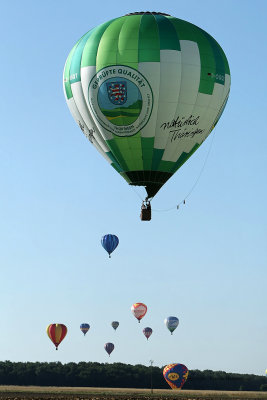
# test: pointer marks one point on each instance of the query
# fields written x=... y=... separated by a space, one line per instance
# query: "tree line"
x=119 y=375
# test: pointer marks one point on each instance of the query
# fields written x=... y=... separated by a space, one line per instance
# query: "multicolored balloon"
x=84 y=328
x=139 y=310
x=109 y=347
x=175 y=375
x=146 y=89
x=56 y=332
x=147 y=332
x=110 y=242
x=115 y=324
x=171 y=323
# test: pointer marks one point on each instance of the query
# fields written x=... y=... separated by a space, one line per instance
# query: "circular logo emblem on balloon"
x=173 y=376
x=121 y=99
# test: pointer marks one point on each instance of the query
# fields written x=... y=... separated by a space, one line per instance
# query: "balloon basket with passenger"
x=145 y=211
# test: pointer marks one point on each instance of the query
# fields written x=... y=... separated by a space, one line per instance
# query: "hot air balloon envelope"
x=110 y=242
x=56 y=332
x=84 y=328
x=175 y=375
x=115 y=324
x=147 y=332
x=109 y=347
x=171 y=323
x=146 y=89
x=139 y=310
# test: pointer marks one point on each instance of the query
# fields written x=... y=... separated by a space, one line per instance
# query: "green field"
x=121 y=116
x=83 y=393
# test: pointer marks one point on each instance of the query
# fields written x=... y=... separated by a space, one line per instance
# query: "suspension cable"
x=195 y=183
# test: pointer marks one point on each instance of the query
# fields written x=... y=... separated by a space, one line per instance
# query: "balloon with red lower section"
x=139 y=310
x=147 y=332
x=175 y=375
x=56 y=333
x=109 y=347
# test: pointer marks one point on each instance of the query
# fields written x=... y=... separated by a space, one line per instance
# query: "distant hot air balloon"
x=175 y=375
x=56 y=332
x=110 y=242
x=84 y=328
x=139 y=310
x=147 y=332
x=109 y=347
x=146 y=89
x=115 y=324
x=171 y=323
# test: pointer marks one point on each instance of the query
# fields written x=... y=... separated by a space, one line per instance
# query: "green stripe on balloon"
x=166 y=166
x=75 y=67
x=114 y=163
x=226 y=65
x=131 y=151
x=123 y=147
x=117 y=154
x=149 y=51
x=147 y=152
x=128 y=42
x=116 y=167
x=91 y=47
x=67 y=75
x=108 y=45
x=112 y=50
x=221 y=60
x=67 y=85
x=149 y=44
x=167 y=34
x=135 y=146
x=187 y=31
x=217 y=56
x=157 y=156
x=122 y=35
x=168 y=39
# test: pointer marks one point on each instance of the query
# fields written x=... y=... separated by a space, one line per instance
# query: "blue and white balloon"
x=171 y=323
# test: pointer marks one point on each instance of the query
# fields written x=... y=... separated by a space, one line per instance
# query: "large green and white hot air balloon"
x=146 y=89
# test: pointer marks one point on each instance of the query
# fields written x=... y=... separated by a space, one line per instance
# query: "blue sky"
x=205 y=263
